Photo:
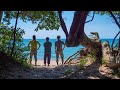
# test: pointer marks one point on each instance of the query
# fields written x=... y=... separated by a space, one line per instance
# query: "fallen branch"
x=69 y=59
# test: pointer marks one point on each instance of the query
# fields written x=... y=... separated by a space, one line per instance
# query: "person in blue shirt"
x=47 y=51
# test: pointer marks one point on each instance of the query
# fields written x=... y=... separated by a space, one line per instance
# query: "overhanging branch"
x=63 y=23
x=92 y=18
x=114 y=39
x=115 y=19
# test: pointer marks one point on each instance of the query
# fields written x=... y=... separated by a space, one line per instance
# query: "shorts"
x=33 y=52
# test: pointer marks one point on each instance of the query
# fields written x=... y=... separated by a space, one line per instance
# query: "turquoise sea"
x=68 y=51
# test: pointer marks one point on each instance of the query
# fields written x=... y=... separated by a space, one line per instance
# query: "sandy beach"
x=41 y=62
x=53 y=71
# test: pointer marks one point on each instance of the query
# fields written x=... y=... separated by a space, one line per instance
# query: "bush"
x=82 y=63
x=20 y=53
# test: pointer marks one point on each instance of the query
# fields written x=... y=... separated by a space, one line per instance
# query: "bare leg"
x=49 y=56
x=57 y=56
x=62 y=57
x=31 y=54
x=35 y=56
x=45 y=59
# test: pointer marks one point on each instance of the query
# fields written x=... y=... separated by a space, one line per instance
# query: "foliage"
x=116 y=13
x=106 y=12
x=6 y=35
x=84 y=60
x=48 y=20
x=82 y=63
x=91 y=56
x=45 y=19
x=103 y=61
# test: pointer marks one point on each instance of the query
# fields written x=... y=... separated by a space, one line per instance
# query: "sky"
x=102 y=24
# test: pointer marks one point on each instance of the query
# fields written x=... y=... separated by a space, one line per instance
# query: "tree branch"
x=92 y=18
x=15 y=33
x=1 y=14
x=114 y=39
x=63 y=23
x=115 y=19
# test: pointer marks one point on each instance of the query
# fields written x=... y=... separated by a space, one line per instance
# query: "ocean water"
x=68 y=51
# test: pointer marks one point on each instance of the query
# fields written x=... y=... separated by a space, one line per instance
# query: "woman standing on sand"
x=34 y=49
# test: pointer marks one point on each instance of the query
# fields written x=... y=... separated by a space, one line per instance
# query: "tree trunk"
x=1 y=13
x=92 y=45
x=77 y=36
x=15 y=34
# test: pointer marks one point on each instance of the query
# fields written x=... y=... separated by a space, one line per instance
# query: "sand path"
x=58 y=72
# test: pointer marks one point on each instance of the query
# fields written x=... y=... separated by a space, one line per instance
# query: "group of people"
x=35 y=45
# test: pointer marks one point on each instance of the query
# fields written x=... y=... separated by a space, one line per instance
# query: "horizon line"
x=64 y=38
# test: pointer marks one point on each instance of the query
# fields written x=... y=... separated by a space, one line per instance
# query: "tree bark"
x=15 y=33
x=63 y=23
x=92 y=45
x=1 y=14
x=77 y=36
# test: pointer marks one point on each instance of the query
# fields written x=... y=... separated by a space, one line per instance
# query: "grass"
x=91 y=56
x=103 y=61
x=82 y=63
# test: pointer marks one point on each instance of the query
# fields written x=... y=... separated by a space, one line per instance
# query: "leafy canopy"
x=116 y=13
x=48 y=20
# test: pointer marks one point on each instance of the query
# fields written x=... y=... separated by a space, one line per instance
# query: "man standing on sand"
x=34 y=49
x=47 y=51
x=59 y=49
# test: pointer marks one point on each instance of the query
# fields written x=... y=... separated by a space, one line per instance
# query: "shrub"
x=20 y=53
x=82 y=63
